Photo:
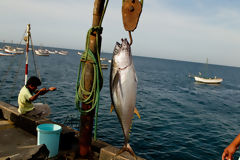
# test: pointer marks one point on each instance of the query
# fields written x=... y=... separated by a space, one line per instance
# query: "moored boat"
x=79 y=53
x=9 y=49
x=214 y=80
x=7 y=54
x=104 y=66
x=41 y=52
x=202 y=79
x=63 y=52
x=51 y=52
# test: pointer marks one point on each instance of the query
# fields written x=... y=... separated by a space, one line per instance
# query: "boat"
x=104 y=66
x=79 y=53
x=214 y=80
x=6 y=54
x=103 y=59
x=20 y=49
x=63 y=53
x=51 y=52
x=41 y=52
x=202 y=79
x=9 y=49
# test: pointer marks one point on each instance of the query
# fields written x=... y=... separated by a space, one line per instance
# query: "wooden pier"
x=19 y=139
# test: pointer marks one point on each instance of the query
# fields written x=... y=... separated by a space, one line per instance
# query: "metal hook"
x=130 y=36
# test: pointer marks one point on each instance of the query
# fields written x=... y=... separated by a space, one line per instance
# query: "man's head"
x=33 y=82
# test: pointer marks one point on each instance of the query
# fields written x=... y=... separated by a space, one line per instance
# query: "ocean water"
x=180 y=119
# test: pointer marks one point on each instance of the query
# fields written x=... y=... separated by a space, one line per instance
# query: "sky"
x=187 y=30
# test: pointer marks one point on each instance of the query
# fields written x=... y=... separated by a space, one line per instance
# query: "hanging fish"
x=123 y=88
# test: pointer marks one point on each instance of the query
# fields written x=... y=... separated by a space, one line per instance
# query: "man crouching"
x=26 y=97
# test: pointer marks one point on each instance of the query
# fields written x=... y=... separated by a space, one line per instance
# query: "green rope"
x=82 y=95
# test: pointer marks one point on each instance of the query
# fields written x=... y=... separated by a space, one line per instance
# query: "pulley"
x=131 y=11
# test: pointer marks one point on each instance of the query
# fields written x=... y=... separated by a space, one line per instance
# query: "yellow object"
x=23 y=101
x=135 y=111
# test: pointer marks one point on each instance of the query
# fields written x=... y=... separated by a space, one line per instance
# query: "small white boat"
x=104 y=66
x=63 y=53
x=214 y=80
x=103 y=59
x=51 y=52
x=21 y=49
x=9 y=49
x=7 y=54
x=79 y=53
x=41 y=52
x=201 y=79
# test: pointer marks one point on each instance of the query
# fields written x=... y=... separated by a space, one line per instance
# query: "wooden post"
x=86 y=119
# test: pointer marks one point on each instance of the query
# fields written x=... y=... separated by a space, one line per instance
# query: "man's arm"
x=231 y=149
x=40 y=92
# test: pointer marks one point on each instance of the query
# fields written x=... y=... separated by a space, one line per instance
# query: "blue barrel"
x=49 y=134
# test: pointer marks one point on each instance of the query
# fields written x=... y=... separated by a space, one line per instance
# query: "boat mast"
x=27 y=49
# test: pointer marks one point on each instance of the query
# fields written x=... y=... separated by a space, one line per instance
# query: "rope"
x=92 y=96
x=82 y=95
x=34 y=61
x=19 y=67
x=15 y=82
x=11 y=65
x=22 y=38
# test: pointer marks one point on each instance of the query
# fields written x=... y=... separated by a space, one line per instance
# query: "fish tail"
x=128 y=149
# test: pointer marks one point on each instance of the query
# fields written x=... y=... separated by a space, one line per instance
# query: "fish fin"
x=112 y=108
x=115 y=80
x=127 y=148
x=136 y=77
x=137 y=113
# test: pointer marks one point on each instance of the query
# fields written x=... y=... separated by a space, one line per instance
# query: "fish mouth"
x=125 y=42
x=118 y=44
x=123 y=46
x=126 y=47
x=117 y=48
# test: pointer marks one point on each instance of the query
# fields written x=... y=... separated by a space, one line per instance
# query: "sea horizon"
x=60 y=48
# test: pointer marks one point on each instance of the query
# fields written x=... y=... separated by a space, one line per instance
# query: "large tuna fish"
x=123 y=87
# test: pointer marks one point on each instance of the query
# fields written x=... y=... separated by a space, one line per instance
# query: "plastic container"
x=49 y=134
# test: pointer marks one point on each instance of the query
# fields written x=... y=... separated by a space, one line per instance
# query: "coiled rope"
x=92 y=96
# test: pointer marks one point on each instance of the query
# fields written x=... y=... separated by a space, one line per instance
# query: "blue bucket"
x=49 y=134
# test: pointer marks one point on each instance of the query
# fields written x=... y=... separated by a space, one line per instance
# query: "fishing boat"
x=51 y=52
x=9 y=49
x=104 y=66
x=103 y=59
x=6 y=54
x=63 y=53
x=41 y=52
x=202 y=79
x=214 y=80
x=79 y=53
